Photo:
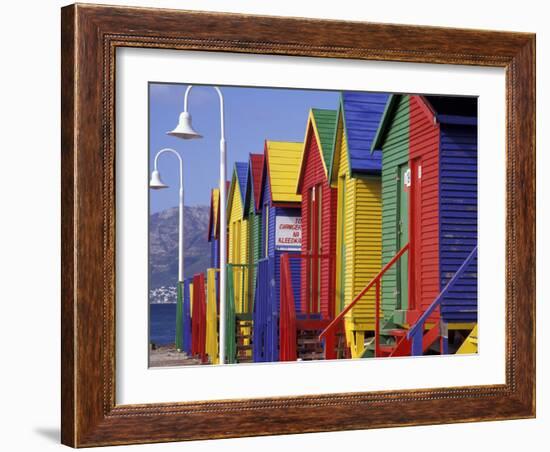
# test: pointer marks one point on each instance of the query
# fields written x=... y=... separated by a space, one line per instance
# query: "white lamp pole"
x=156 y=183
x=185 y=130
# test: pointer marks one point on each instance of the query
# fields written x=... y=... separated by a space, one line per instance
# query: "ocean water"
x=162 y=323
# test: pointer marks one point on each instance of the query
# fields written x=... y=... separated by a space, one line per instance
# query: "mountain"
x=163 y=245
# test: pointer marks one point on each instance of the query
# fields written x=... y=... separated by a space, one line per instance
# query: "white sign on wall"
x=288 y=233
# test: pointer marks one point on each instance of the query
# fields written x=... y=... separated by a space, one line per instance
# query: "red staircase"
x=401 y=344
x=398 y=341
x=299 y=332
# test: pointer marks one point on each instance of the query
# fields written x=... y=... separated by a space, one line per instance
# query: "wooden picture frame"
x=90 y=36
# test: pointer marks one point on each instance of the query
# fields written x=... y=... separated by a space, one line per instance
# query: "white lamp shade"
x=184 y=129
x=156 y=182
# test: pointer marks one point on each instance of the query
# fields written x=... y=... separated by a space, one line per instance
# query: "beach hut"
x=280 y=233
x=239 y=300
x=429 y=197
x=318 y=203
x=211 y=339
x=356 y=173
x=253 y=213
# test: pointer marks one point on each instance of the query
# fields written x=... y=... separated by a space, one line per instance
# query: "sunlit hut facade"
x=280 y=220
x=429 y=185
x=319 y=204
x=212 y=277
x=356 y=173
x=238 y=237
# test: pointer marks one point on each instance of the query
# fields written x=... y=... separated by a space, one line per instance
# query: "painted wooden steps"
x=390 y=337
x=309 y=347
x=470 y=343
x=394 y=342
x=244 y=335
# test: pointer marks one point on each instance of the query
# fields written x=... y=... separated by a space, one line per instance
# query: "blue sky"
x=252 y=115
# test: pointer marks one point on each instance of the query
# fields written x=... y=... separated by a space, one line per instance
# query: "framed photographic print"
x=271 y=220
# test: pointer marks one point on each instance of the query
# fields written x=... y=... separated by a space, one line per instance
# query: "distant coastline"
x=163 y=295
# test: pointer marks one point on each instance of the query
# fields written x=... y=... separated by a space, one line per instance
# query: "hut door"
x=415 y=232
x=403 y=235
x=314 y=233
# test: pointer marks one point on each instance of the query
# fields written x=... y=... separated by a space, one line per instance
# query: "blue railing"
x=416 y=332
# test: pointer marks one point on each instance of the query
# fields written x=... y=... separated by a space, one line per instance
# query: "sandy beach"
x=168 y=356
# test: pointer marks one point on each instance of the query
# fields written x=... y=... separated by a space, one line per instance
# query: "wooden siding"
x=345 y=223
x=256 y=176
x=212 y=229
x=283 y=169
x=254 y=240
x=266 y=306
x=211 y=346
x=314 y=174
x=367 y=245
x=238 y=244
x=395 y=152
x=324 y=127
x=273 y=211
x=458 y=217
x=362 y=114
x=424 y=224
x=359 y=240
x=253 y=191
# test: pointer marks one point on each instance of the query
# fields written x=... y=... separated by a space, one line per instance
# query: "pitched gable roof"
x=240 y=177
x=454 y=109
x=322 y=123
x=361 y=113
x=282 y=160
x=325 y=127
x=255 y=180
x=385 y=121
x=241 y=169
x=213 y=217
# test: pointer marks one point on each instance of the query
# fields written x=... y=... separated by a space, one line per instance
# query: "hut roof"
x=213 y=214
x=454 y=109
x=255 y=179
x=322 y=123
x=282 y=160
x=361 y=114
x=240 y=176
x=444 y=109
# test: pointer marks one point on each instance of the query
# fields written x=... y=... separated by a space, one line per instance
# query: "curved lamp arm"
x=171 y=151
x=220 y=96
x=223 y=222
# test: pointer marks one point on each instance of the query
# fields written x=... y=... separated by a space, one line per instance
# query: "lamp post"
x=185 y=130
x=156 y=183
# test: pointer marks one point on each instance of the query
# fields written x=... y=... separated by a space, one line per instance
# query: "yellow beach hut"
x=356 y=173
x=239 y=321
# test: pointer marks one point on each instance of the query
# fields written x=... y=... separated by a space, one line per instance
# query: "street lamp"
x=156 y=183
x=185 y=130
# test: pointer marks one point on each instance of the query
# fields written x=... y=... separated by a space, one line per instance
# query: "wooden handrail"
x=375 y=280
